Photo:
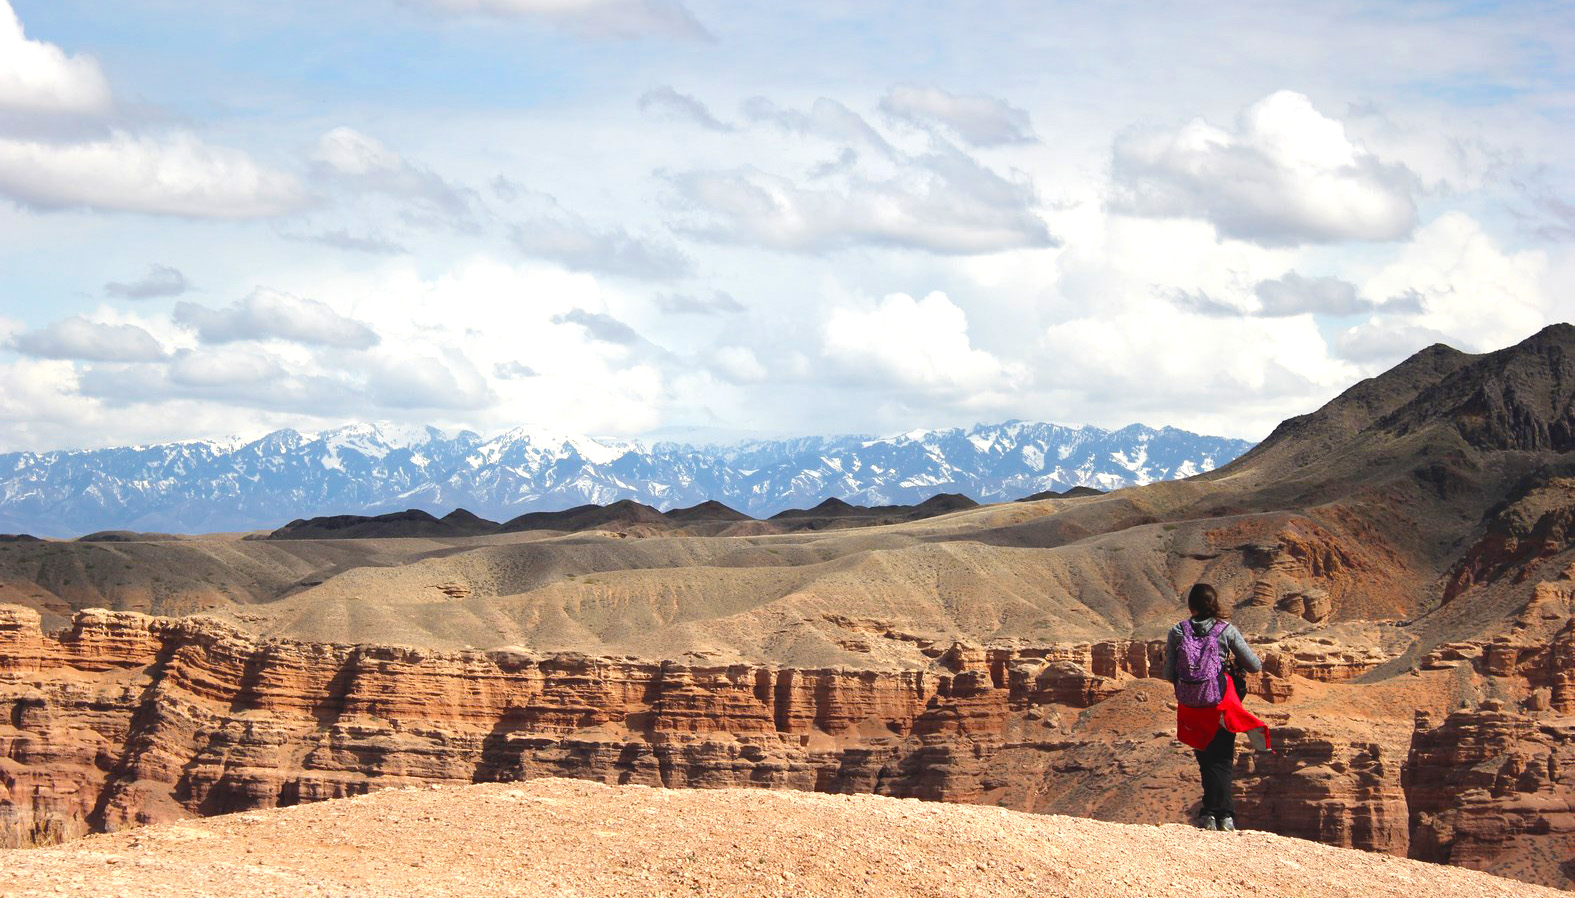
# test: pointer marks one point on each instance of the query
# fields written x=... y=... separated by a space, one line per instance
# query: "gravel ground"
x=573 y=838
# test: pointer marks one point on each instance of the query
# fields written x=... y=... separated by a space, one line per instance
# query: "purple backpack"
x=1198 y=667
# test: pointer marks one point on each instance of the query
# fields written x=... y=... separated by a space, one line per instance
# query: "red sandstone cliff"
x=125 y=719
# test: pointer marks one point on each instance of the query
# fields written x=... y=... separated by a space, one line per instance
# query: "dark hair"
x=1204 y=601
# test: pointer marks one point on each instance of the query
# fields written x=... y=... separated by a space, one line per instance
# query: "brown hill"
x=400 y=524
x=1076 y=492
x=124 y=536
x=707 y=512
x=834 y=513
x=618 y=515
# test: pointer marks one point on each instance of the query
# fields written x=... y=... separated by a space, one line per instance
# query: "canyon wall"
x=123 y=719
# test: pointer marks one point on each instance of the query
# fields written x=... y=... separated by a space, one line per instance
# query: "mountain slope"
x=365 y=469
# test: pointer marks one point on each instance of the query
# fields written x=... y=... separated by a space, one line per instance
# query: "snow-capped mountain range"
x=217 y=485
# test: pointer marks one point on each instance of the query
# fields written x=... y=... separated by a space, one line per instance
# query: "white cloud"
x=1466 y=286
x=159 y=281
x=235 y=376
x=79 y=338
x=1294 y=294
x=1156 y=361
x=720 y=302
x=601 y=18
x=428 y=382
x=180 y=176
x=341 y=238
x=738 y=364
x=576 y=244
x=942 y=201
x=512 y=370
x=600 y=326
x=1286 y=175
x=236 y=366
x=36 y=77
x=671 y=103
x=1384 y=342
x=914 y=345
x=268 y=314
x=355 y=160
x=981 y=120
x=826 y=119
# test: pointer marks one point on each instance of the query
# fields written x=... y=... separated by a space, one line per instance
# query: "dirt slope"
x=565 y=837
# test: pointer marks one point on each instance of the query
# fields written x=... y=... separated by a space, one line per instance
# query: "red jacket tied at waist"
x=1196 y=726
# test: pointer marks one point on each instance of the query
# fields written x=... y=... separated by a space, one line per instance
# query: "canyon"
x=124 y=719
x=1402 y=559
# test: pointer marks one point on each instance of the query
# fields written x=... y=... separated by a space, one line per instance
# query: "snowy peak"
x=215 y=485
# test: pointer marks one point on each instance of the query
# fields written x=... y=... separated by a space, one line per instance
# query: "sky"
x=723 y=220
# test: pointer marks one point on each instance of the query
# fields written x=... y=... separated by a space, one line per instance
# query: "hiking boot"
x=1227 y=824
x=1208 y=822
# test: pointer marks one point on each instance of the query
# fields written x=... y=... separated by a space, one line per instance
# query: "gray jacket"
x=1231 y=643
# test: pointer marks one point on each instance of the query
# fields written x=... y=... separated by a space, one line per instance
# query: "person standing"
x=1208 y=701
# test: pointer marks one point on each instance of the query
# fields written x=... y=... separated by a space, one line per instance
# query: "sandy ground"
x=572 y=838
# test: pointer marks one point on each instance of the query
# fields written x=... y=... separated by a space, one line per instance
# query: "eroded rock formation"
x=124 y=719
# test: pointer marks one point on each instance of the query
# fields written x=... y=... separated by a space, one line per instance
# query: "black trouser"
x=1216 y=763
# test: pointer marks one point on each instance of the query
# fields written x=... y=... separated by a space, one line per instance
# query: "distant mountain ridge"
x=214 y=485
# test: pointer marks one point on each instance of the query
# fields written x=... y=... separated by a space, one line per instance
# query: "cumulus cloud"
x=254 y=377
x=355 y=160
x=943 y=201
x=719 y=302
x=737 y=364
x=267 y=314
x=671 y=103
x=80 y=339
x=243 y=376
x=578 y=245
x=1547 y=215
x=160 y=281
x=1285 y=175
x=920 y=345
x=826 y=119
x=981 y=120
x=599 y=18
x=1155 y=359
x=1385 y=342
x=601 y=326
x=40 y=78
x=1203 y=303
x=1463 y=284
x=179 y=176
x=513 y=370
x=341 y=238
x=427 y=382
x=1294 y=294
x=244 y=365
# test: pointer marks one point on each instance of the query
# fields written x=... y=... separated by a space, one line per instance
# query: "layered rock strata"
x=124 y=719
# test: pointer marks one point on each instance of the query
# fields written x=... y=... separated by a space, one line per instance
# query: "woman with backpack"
x=1208 y=701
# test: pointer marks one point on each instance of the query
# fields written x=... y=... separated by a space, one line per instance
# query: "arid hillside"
x=561 y=837
x=1403 y=559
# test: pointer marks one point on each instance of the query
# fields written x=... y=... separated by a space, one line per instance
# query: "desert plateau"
x=698 y=448
x=1402 y=559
